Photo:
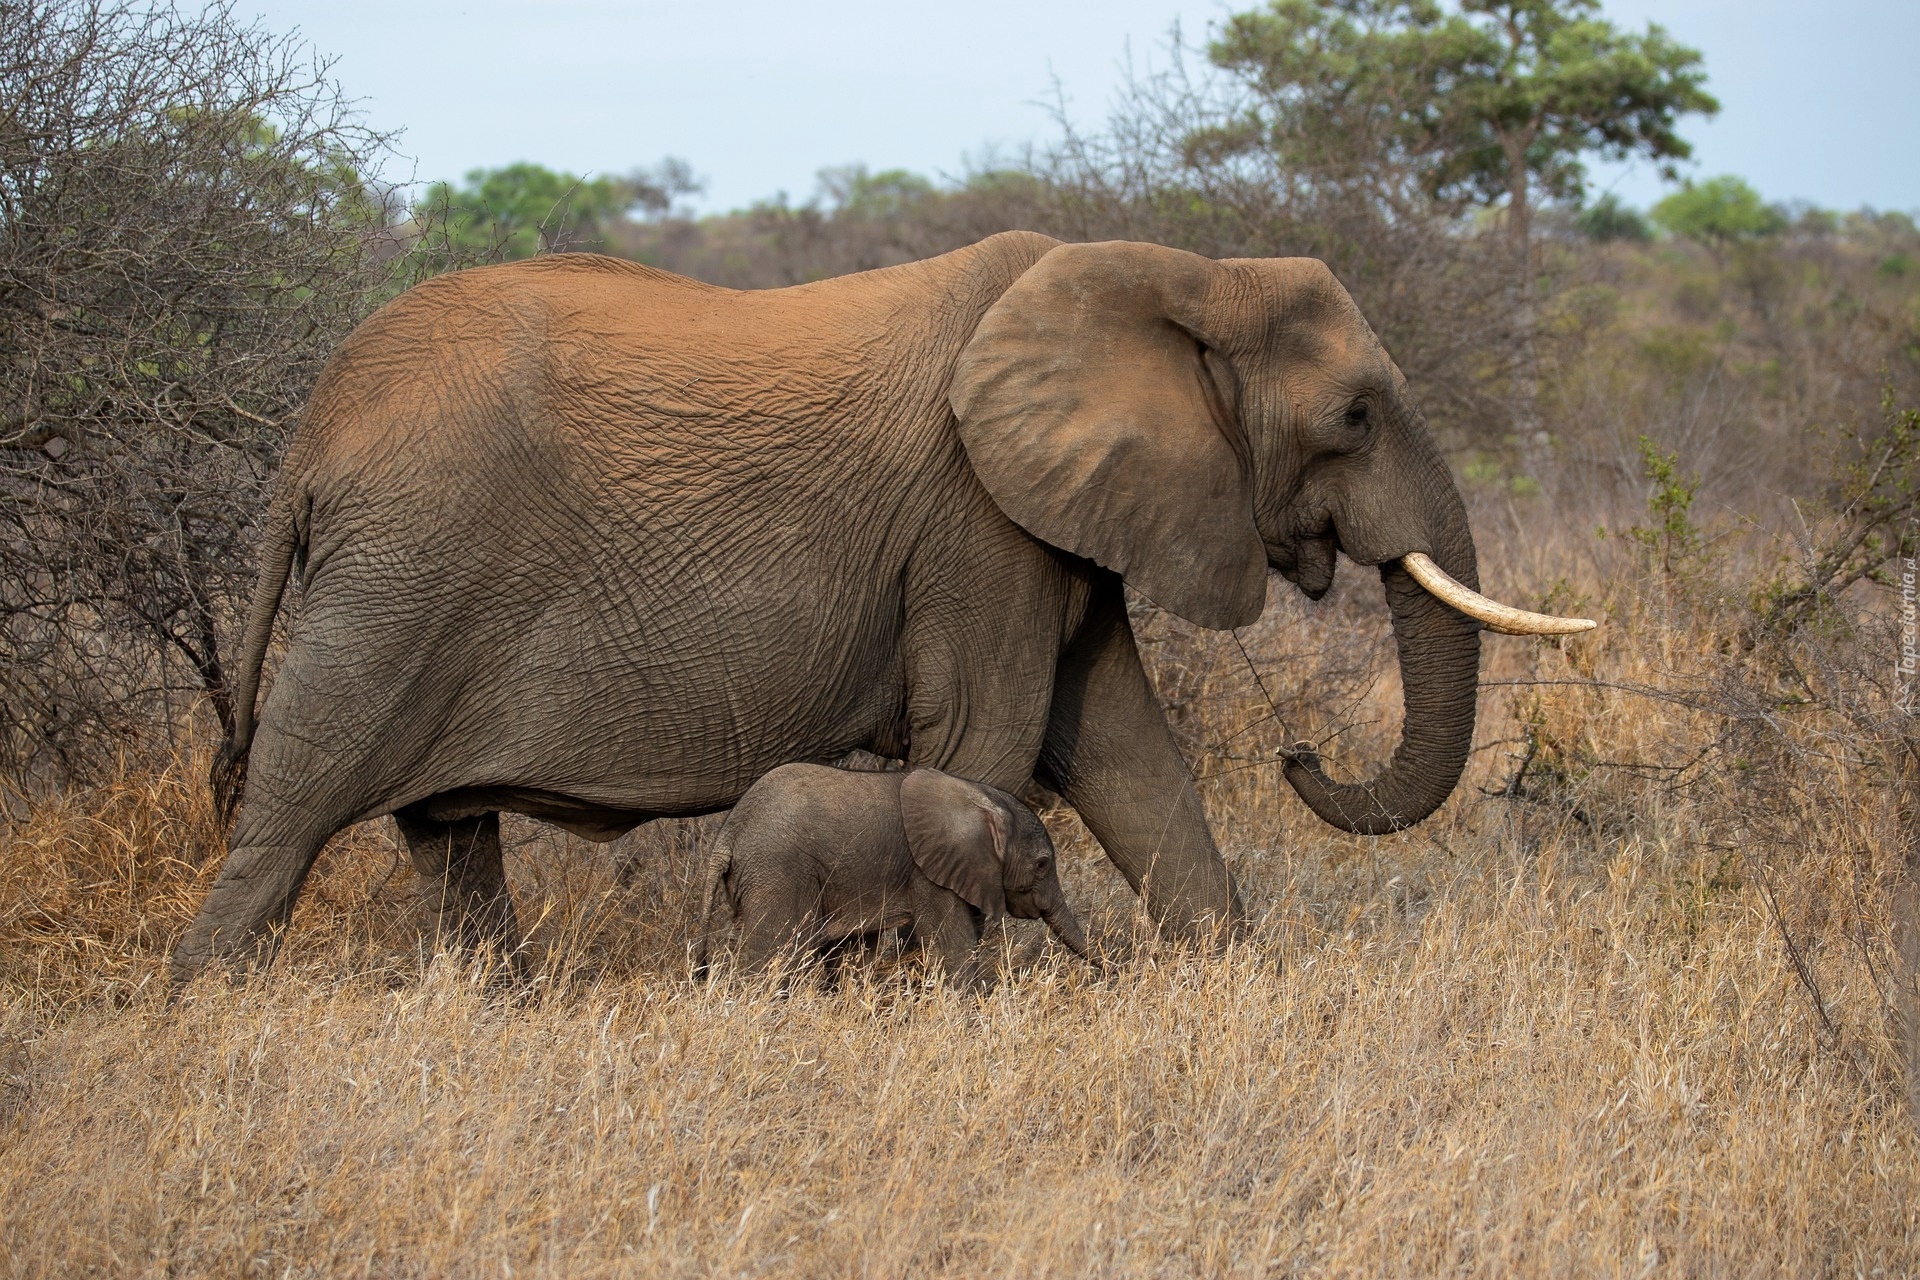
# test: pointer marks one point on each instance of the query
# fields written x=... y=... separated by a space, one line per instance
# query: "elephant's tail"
x=719 y=861
x=229 y=772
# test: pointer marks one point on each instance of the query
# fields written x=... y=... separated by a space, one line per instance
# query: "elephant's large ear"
x=1089 y=413
x=957 y=835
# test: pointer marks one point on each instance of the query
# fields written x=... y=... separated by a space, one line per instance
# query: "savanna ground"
x=1621 y=1007
x=1558 y=1028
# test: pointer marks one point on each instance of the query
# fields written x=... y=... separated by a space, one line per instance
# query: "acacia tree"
x=1496 y=104
x=184 y=235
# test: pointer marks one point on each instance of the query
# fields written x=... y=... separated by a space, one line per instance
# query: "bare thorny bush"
x=1816 y=726
x=187 y=228
x=1732 y=389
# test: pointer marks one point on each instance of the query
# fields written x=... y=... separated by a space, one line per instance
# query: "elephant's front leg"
x=1109 y=753
x=463 y=881
x=950 y=930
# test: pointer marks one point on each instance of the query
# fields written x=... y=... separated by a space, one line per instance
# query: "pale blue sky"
x=1820 y=101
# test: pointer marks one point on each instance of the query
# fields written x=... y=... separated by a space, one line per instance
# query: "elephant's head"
x=1191 y=424
x=989 y=848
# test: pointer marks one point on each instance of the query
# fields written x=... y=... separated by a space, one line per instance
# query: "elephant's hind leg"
x=779 y=924
x=248 y=907
x=319 y=761
x=294 y=803
x=463 y=881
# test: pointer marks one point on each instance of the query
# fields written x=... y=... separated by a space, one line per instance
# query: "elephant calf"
x=813 y=855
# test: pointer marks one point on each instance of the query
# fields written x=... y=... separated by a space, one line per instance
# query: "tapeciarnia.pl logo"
x=1908 y=664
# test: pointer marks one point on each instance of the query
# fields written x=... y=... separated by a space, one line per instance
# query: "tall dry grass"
x=1597 y=1016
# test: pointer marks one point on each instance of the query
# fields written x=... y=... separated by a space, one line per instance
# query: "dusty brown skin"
x=588 y=541
x=814 y=855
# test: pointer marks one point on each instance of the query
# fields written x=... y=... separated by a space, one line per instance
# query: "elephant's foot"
x=1202 y=908
x=204 y=947
x=238 y=927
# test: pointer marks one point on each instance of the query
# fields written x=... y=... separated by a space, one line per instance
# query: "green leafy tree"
x=1718 y=212
x=1498 y=103
x=525 y=209
x=1607 y=219
x=1502 y=100
x=891 y=193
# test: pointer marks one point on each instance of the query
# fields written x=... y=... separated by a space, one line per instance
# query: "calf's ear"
x=957 y=836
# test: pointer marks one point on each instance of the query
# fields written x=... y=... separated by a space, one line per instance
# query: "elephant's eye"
x=1040 y=865
x=1357 y=414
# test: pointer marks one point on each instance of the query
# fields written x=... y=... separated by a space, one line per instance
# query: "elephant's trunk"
x=1440 y=669
x=1066 y=928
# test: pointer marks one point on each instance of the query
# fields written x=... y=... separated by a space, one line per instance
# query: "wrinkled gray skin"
x=813 y=855
x=591 y=542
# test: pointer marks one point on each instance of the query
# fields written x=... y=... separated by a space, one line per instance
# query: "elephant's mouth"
x=1308 y=563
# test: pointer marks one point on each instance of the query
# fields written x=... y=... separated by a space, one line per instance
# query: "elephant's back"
x=457 y=354
x=612 y=365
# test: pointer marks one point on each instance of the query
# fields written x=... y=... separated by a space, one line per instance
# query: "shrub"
x=187 y=227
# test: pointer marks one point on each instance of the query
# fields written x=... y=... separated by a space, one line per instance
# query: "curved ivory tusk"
x=1503 y=618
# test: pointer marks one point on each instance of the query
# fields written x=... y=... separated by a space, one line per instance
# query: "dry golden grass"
x=1551 y=1031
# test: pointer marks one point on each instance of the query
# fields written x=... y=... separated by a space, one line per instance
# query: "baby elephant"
x=814 y=855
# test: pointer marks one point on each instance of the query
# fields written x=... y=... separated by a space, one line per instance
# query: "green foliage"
x=1482 y=469
x=1869 y=225
x=1674 y=538
x=1481 y=104
x=1678 y=355
x=1871 y=519
x=1588 y=308
x=1813 y=222
x=526 y=209
x=891 y=193
x=1008 y=184
x=1719 y=211
x=1607 y=219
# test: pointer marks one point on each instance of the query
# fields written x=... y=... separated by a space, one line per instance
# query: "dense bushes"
x=185 y=233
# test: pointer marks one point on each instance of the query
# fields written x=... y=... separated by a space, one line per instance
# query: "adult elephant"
x=587 y=541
